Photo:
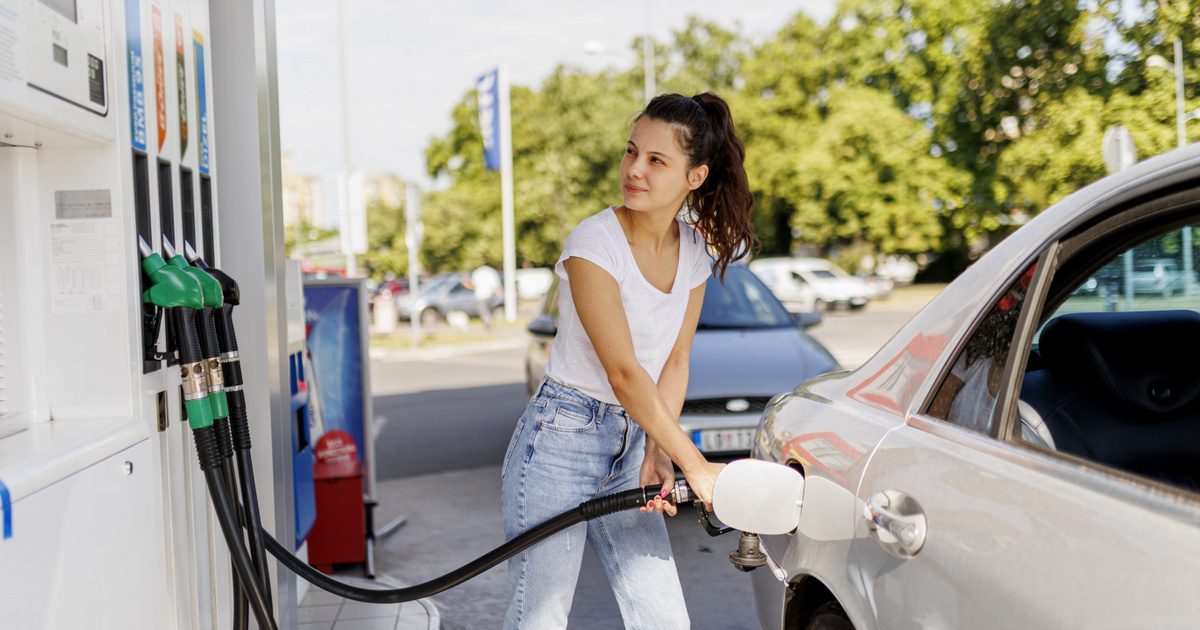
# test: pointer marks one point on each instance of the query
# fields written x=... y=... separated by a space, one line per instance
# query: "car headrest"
x=1150 y=361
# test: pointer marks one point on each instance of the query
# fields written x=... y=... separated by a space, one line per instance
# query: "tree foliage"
x=900 y=126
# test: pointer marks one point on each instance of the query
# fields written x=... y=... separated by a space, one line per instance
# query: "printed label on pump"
x=85 y=253
x=160 y=74
x=201 y=105
x=136 y=68
x=181 y=85
x=12 y=51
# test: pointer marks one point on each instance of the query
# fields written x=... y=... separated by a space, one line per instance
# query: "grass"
x=443 y=335
x=402 y=339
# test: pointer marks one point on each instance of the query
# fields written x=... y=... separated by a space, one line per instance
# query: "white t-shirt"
x=486 y=281
x=654 y=317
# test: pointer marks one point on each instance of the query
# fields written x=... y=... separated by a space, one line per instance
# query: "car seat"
x=1123 y=389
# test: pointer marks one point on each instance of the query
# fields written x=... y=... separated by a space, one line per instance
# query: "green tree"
x=865 y=177
x=387 y=252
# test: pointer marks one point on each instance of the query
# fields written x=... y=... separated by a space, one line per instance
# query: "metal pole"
x=344 y=180
x=648 y=57
x=1127 y=259
x=506 y=201
x=1180 y=132
x=412 y=238
x=1189 y=279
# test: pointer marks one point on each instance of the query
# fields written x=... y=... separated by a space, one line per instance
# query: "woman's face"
x=654 y=172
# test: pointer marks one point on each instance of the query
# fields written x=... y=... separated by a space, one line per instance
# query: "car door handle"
x=897 y=523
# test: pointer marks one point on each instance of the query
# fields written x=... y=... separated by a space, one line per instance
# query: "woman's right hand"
x=701 y=479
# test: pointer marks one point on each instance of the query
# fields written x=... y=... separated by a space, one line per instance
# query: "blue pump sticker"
x=201 y=98
x=6 y=507
x=137 y=92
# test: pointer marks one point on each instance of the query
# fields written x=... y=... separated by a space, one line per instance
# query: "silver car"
x=1022 y=454
x=747 y=348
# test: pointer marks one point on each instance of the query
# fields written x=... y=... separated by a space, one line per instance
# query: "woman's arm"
x=672 y=386
x=597 y=300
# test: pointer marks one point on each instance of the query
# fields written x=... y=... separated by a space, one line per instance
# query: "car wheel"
x=829 y=616
x=430 y=316
x=858 y=307
x=820 y=306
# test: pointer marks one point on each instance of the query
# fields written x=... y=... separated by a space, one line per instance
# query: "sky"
x=409 y=62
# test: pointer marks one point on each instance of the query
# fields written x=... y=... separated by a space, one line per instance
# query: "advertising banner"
x=487 y=90
x=336 y=319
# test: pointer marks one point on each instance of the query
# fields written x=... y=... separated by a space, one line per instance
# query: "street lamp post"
x=1181 y=118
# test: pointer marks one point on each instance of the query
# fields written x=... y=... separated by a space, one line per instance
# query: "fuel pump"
x=239 y=422
x=180 y=294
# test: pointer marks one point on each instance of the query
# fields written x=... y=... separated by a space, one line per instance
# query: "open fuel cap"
x=758 y=497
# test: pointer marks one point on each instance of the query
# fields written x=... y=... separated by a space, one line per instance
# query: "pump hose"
x=209 y=455
x=585 y=511
x=225 y=449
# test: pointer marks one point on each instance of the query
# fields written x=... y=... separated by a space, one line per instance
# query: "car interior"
x=1112 y=377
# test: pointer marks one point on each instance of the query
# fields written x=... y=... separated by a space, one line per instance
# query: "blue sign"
x=137 y=91
x=337 y=344
x=487 y=90
x=201 y=100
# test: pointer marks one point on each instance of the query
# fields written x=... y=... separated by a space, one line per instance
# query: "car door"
x=968 y=519
x=462 y=298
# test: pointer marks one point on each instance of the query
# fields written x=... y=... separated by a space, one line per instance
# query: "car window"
x=823 y=274
x=1146 y=277
x=798 y=278
x=550 y=303
x=1112 y=375
x=742 y=301
x=967 y=394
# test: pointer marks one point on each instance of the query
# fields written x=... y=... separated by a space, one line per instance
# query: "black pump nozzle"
x=193 y=256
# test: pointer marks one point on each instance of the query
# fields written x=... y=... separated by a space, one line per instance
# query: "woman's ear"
x=697 y=176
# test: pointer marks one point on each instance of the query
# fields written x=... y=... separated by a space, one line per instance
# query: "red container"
x=339 y=534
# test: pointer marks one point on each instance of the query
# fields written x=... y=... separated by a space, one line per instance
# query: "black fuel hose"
x=585 y=511
x=209 y=455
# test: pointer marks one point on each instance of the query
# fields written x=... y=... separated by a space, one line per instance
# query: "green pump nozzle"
x=171 y=288
x=181 y=295
x=206 y=327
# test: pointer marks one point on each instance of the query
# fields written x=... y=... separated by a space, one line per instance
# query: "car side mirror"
x=807 y=319
x=543 y=326
x=758 y=497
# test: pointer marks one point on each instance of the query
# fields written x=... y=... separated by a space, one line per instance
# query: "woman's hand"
x=657 y=470
x=701 y=479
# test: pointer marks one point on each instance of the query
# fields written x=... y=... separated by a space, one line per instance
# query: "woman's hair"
x=720 y=207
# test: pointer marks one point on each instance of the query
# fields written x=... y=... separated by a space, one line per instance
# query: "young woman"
x=606 y=416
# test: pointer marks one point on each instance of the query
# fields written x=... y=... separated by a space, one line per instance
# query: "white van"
x=811 y=284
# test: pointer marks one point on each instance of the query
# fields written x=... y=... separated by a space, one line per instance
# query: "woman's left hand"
x=658 y=470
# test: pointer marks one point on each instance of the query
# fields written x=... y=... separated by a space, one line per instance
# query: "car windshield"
x=743 y=301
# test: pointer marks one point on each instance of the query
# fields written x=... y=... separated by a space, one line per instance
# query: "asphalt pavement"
x=443 y=418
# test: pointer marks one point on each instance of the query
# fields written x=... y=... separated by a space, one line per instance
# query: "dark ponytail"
x=720 y=207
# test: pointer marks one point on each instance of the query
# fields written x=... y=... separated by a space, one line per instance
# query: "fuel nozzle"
x=748 y=556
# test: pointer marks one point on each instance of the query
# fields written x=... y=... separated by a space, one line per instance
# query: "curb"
x=446 y=352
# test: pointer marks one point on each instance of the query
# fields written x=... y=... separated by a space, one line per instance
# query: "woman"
x=606 y=416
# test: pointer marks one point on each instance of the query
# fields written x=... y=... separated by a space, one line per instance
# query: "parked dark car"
x=747 y=349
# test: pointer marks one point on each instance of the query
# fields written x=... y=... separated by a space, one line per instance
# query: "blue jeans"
x=569 y=447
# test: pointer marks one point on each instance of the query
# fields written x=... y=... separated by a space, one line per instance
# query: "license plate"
x=723 y=439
